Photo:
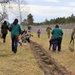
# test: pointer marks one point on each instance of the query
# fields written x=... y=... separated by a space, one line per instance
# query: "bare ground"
x=46 y=62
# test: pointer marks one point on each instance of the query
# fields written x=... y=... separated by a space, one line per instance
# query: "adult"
x=48 y=30
x=72 y=35
x=15 y=32
x=4 y=31
x=57 y=34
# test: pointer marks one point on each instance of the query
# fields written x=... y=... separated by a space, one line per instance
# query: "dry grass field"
x=65 y=57
x=21 y=63
x=24 y=62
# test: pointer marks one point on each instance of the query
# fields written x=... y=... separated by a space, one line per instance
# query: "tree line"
x=60 y=20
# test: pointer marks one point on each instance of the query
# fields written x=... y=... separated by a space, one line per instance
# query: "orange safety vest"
x=19 y=37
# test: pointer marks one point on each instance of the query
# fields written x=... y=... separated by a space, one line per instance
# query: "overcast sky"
x=45 y=9
x=49 y=9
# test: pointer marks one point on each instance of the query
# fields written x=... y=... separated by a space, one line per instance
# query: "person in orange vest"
x=19 y=38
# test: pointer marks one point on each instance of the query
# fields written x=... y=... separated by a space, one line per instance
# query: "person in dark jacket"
x=57 y=34
x=15 y=30
x=4 y=31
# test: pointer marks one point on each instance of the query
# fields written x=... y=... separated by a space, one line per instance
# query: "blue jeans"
x=51 y=42
x=14 y=43
x=57 y=43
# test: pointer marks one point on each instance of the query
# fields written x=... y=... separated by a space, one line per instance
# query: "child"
x=19 y=38
x=38 y=33
x=28 y=38
x=25 y=37
x=50 y=42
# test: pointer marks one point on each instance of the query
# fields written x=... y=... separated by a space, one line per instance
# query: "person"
x=29 y=28
x=26 y=37
x=57 y=34
x=19 y=39
x=72 y=35
x=50 y=42
x=15 y=30
x=38 y=33
x=48 y=30
x=24 y=34
x=4 y=31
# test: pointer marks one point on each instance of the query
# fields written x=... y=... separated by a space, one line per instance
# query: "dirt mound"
x=46 y=62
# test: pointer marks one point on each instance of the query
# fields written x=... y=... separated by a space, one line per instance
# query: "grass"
x=21 y=63
x=65 y=57
x=24 y=62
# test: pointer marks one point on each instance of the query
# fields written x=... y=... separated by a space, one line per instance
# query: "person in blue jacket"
x=38 y=33
x=57 y=35
x=29 y=28
x=15 y=30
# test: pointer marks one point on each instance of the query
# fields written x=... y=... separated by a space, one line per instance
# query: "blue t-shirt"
x=38 y=32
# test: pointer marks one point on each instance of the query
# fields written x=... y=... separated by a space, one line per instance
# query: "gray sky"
x=45 y=9
x=42 y=9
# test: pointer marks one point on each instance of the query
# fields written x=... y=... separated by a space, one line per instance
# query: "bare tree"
x=16 y=7
x=3 y=14
x=20 y=11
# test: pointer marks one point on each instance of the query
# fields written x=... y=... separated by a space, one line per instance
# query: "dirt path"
x=46 y=62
